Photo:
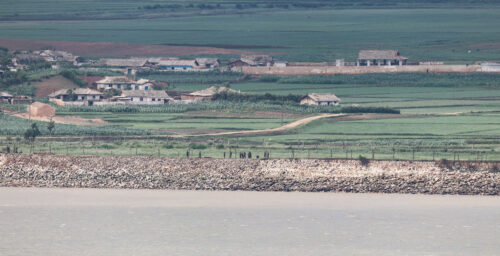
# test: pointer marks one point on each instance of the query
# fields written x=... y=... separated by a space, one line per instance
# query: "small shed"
x=207 y=94
x=21 y=99
x=320 y=99
x=5 y=97
x=490 y=67
x=41 y=109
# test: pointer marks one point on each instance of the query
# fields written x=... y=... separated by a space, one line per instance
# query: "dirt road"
x=264 y=131
x=75 y=120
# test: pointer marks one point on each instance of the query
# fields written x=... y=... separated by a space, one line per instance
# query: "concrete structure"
x=5 y=97
x=320 y=99
x=41 y=109
x=86 y=95
x=129 y=66
x=21 y=100
x=123 y=83
x=380 y=58
x=257 y=60
x=206 y=94
x=490 y=67
x=54 y=56
x=207 y=63
x=175 y=64
x=151 y=97
x=339 y=62
x=280 y=64
x=331 y=70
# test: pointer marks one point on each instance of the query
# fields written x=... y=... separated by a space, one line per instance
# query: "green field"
x=442 y=115
x=447 y=32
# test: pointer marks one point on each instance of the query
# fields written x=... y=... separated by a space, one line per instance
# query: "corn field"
x=225 y=105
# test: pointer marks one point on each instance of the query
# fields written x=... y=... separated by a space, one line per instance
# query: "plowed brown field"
x=108 y=49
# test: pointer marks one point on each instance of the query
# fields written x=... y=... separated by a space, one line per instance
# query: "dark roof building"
x=380 y=58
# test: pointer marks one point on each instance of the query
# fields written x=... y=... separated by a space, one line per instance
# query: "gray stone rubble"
x=18 y=170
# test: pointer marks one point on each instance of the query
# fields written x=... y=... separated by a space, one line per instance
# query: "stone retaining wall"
x=248 y=174
x=318 y=70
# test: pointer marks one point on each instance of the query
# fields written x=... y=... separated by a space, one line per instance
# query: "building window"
x=142 y=98
x=153 y=99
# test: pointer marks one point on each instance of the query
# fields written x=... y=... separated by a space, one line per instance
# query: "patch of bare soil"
x=50 y=85
x=108 y=49
x=493 y=46
x=76 y=120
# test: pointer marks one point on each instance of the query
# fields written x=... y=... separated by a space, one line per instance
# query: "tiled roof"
x=5 y=94
x=379 y=55
x=323 y=97
x=212 y=91
x=133 y=62
x=116 y=80
x=78 y=91
x=148 y=93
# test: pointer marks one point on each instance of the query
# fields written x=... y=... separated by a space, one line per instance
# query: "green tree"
x=51 y=126
x=30 y=135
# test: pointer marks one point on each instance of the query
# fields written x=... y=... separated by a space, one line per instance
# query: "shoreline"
x=302 y=175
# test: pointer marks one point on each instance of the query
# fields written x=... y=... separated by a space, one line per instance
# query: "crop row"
x=226 y=105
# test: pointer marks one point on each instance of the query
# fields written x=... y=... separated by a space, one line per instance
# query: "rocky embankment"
x=249 y=174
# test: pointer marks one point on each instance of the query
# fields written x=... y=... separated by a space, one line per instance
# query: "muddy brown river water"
x=41 y=221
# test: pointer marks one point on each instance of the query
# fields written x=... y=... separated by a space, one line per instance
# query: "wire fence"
x=217 y=149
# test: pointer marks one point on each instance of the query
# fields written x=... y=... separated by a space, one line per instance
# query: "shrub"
x=168 y=146
x=71 y=75
x=270 y=79
x=197 y=146
x=445 y=164
x=364 y=161
x=495 y=168
x=106 y=146
x=219 y=146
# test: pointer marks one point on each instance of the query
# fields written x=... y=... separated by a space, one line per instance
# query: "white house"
x=138 y=97
x=320 y=99
x=123 y=83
